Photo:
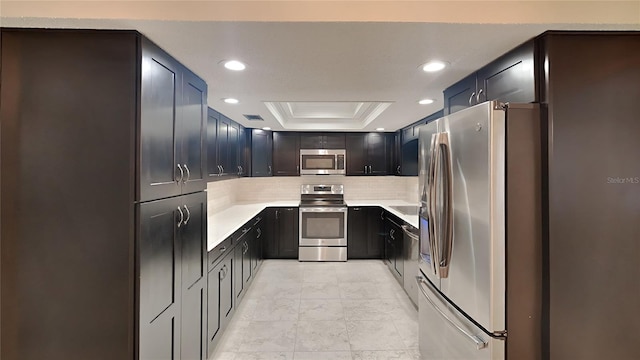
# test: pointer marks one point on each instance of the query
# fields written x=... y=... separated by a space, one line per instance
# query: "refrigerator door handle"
x=479 y=343
x=445 y=177
x=433 y=240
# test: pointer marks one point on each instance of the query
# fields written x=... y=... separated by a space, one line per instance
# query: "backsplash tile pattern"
x=222 y=194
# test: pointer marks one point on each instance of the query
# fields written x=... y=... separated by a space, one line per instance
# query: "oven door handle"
x=323 y=209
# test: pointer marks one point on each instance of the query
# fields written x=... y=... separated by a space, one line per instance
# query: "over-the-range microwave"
x=322 y=162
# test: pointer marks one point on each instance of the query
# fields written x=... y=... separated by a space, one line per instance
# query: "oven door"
x=323 y=226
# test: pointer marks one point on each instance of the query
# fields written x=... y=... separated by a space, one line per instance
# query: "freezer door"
x=444 y=333
x=475 y=280
x=425 y=154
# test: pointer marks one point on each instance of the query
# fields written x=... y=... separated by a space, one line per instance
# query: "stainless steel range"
x=323 y=223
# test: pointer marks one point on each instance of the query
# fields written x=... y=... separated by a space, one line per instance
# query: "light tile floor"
x=322 y=311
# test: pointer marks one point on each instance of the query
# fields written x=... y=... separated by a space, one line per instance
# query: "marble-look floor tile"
x=369 y=309
x=374 y=335
x=246 y=309
x=276 y=309
x=233 y=336
x=264 y=355
x=312 y=275
x=322 y=336
x=385 y=355
x=322 y=355
x=321 y=309
x=223 y=355
x=275 y=289
x=366 y=290
x=320 y=290
x=408 y=331
x=262 y=336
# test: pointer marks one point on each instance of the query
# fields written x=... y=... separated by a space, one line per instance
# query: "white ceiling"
x=325 y=61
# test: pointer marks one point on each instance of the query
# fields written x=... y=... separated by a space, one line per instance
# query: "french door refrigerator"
x=480 y=234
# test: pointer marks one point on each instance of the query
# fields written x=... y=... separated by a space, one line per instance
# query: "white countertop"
x=224 y=223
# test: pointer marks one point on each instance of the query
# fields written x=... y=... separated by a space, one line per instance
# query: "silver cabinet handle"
x=246 y=248
x=181 y=217
x=219 y=170
x=276 y=214
x=269 y=169
x=188 y=173
x=480 y=344
x=223 y=249
x=239 y=171
x=298 y=169
x=391 y=233
x=181 y=174
x=356 y=209
x=188 y=214
x=259 y=231
x=370 y=169
x=478 y=96
x=398 y=170
x=365 y=169
x=221 y=274
x=471 y=97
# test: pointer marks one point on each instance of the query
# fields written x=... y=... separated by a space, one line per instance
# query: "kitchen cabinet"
x=213 y=162
x=282 y=233
x=261 y=152
x=102 y=153
x=220 y=300
x=257 y=238
x=244 y=152
x=365 y=228
x=226 y=147
x=509 y=78
x=172 y=277
x=172 y=126
x=409 y=147
x=322 y=141
x=369 y=153
x=394 y=246
x=242 y=255
x=286 y=153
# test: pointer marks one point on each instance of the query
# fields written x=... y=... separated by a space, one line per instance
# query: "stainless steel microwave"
x=322 y=162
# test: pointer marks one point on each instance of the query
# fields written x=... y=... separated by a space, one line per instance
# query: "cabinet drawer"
x=217 y=252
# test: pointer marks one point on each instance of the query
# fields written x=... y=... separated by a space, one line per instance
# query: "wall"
x=222 y=194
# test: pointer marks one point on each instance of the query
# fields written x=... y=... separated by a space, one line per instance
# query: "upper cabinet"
x=261 y=152
x=509 y=78
x=369 y=153
x=286 y=153
x=226 y=147
x=408 y=165
x=322 y=141
x=173 y=123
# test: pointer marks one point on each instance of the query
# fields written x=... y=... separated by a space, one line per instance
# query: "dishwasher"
x=411 y=269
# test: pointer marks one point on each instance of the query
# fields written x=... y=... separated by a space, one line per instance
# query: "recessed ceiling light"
x=266 y=128
x=379 y=129
x=234 y=65
x=433 y=66
x=230 y=100
x=426 y=101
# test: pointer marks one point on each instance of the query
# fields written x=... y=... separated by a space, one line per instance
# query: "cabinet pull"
x=298 y=169
x=471 y=97
x=276 y=214
x=221 y=169
x=259 y=231
x=391 y=233
x=370 y=171
x=478 y=96
x=181 y=174
x=365 y=169
x=181 y=216
x=221 y=274
x=188 y=215
x=269 y=169
x=382 y=215
x=246 y=248
x=223 y=249
x=398 y=169
x=188 y=173
x=356 y=209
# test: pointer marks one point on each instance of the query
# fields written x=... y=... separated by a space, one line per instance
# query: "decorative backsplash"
x=222 y=194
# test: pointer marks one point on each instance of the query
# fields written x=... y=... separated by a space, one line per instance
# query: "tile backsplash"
x=224 y=193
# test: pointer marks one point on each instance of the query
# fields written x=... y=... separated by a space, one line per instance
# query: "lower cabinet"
x=394 y=246
x=365 y=233
x=282 y=233
x=242 y=255
x=220 y=300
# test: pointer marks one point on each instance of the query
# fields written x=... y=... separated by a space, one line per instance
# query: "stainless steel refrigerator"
x=480 y=234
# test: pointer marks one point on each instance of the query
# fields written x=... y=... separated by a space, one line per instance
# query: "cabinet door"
x=510 y=78
x=311 y=141
x=398 y=253
x=244 y=157
x=357 y=233
x=334 y=141
x=160 y=103
x=397 y=153
x=270 y=240
x=356 y=146
x=213 y=171
x=193 y=240
x=258 y=245
x=219 y=300
x=223 y=144
x=233 y=143
x=238 y=274
x=288 y=233
x=261 y=151
x=460 y=95
x=193 y=131
x=377 y=153
x=246 y=259
x=160 y=275
x=286 y=154
x=375 y=232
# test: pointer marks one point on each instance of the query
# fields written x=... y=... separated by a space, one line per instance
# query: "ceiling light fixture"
x=234 y=65
x=230 y=100
x=379 y=129
x=426 y=101
x=433 y=66
x=266 y=128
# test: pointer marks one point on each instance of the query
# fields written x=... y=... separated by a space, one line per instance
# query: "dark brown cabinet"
x=322 y=141
x=220 y=300
x=509 y=78
x=366 y=233
x=282 y=233
x=408 y=157
x=369 y=153
x=394 y=246
x=261 y=152
x=226 y=147
x=286 y=153
x=101 y=196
